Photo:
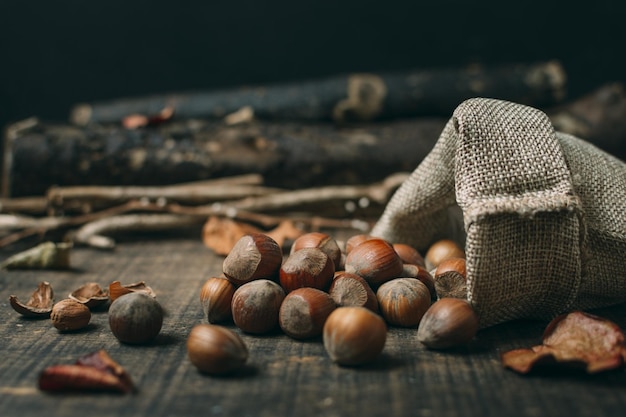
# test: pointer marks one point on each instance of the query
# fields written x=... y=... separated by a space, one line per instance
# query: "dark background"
x=58 y=53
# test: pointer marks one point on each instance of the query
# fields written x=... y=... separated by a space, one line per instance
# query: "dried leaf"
x=578 y=340
x=220 y=234
x=47 y=255
x=90 y=294
x=93 y=372
x=285 y=231
x=39 y=305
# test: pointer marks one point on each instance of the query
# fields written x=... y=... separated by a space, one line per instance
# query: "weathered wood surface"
x=284 y=377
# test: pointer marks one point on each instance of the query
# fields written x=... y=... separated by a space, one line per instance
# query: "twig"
x=92 y=233
x=172 y=215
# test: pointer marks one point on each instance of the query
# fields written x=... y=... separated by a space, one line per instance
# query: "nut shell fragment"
x=116 y=289
x=39 y=305
x=90 y=294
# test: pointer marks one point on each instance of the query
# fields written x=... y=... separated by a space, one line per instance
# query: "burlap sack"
x=544 y=212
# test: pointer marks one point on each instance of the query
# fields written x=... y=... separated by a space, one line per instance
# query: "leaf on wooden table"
x=574 y=340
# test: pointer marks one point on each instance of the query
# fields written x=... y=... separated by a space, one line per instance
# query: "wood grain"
x=283 y=376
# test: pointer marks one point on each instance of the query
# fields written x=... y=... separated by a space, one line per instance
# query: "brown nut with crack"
x=216 y=350
x=69 y=315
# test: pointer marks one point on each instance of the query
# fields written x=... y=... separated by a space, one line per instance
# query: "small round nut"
x=135 y=318
x=375 y=260
x=409 y=254
x=307 y=267
x=354 y=335
x=255 y=306
x=350 y=290
x=68 y=315
x=216 y=296
x=449 y=322
x=322 y=241
x=441 y=250
x=216 y=350
x=304 y=311
x=403 y=301
x=254 y=256
x=451 y=278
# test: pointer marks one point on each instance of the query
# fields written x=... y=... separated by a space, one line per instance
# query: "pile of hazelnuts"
x=347 y=295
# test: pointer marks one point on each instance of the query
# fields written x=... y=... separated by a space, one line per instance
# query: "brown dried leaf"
x=578 y=340
x=285 y=231
x=93 y=372
x=40 y=303
x=220 y=234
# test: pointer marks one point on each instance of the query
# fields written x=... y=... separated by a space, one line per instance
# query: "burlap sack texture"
x=544 y=212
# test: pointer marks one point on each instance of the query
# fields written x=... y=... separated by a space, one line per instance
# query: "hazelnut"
x=355 y=241
x=322 y=241
x=419 y=272
x=403 y=301
x=449 y=322
x=354 y=335
x=440 y=250
x=254 y=256
x=216 y=350
x=304 y=311
x=375 y=260
x=255 y=306
x=351 y=290
x=308 y=267
x=409 y=254
x=450 y=278
x=69 y=315
x=135 y=318
x=216 y=296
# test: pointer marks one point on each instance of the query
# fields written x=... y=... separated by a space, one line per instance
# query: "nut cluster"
x=346 y=296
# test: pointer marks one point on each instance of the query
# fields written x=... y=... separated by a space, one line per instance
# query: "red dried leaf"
x=94 y=372
x=578 y=340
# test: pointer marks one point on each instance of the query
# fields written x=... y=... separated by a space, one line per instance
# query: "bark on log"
x=287 y=155
x=355 y=97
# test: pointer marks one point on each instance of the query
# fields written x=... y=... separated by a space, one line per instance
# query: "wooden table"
x=284 y=377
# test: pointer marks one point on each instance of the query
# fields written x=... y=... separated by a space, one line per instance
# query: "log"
x=346 y=98
x=287 y=155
